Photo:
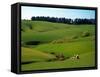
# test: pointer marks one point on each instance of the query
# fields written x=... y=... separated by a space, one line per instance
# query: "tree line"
x=64 y=20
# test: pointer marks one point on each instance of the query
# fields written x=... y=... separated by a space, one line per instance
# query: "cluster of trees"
x=64 y=20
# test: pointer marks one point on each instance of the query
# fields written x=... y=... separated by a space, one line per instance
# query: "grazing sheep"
x=75 y=57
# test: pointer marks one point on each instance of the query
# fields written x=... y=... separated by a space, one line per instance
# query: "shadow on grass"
x=28 y=62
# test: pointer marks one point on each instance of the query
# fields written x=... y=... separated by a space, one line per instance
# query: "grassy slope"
x=86 y=60
x=68 y=49
x=47 y=31
x=58 y=31
x=34 y=55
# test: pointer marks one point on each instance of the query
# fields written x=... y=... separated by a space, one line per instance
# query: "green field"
x=47 y=45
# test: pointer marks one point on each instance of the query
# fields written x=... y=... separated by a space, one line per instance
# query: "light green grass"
x=61 y=30
x=68 y=49
x=28 y=54
x=86 y=60
x=49 y=32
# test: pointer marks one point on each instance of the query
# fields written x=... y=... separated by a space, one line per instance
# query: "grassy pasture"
x=34 y=55
x=55 y=39
x=70 y=63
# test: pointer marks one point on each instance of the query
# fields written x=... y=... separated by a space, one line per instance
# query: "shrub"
x=74 y=37
x=30 y=26
x=60 y=41
x=85 y=34
x=49 y=60
x=52 y=53
x=60 y=57
x=63 y=40
x=57 y=41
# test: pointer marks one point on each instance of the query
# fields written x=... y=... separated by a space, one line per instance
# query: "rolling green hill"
x=56 y=39
x=68 y=49
x=86 y=60
x=34 y=55
x=58 y=31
